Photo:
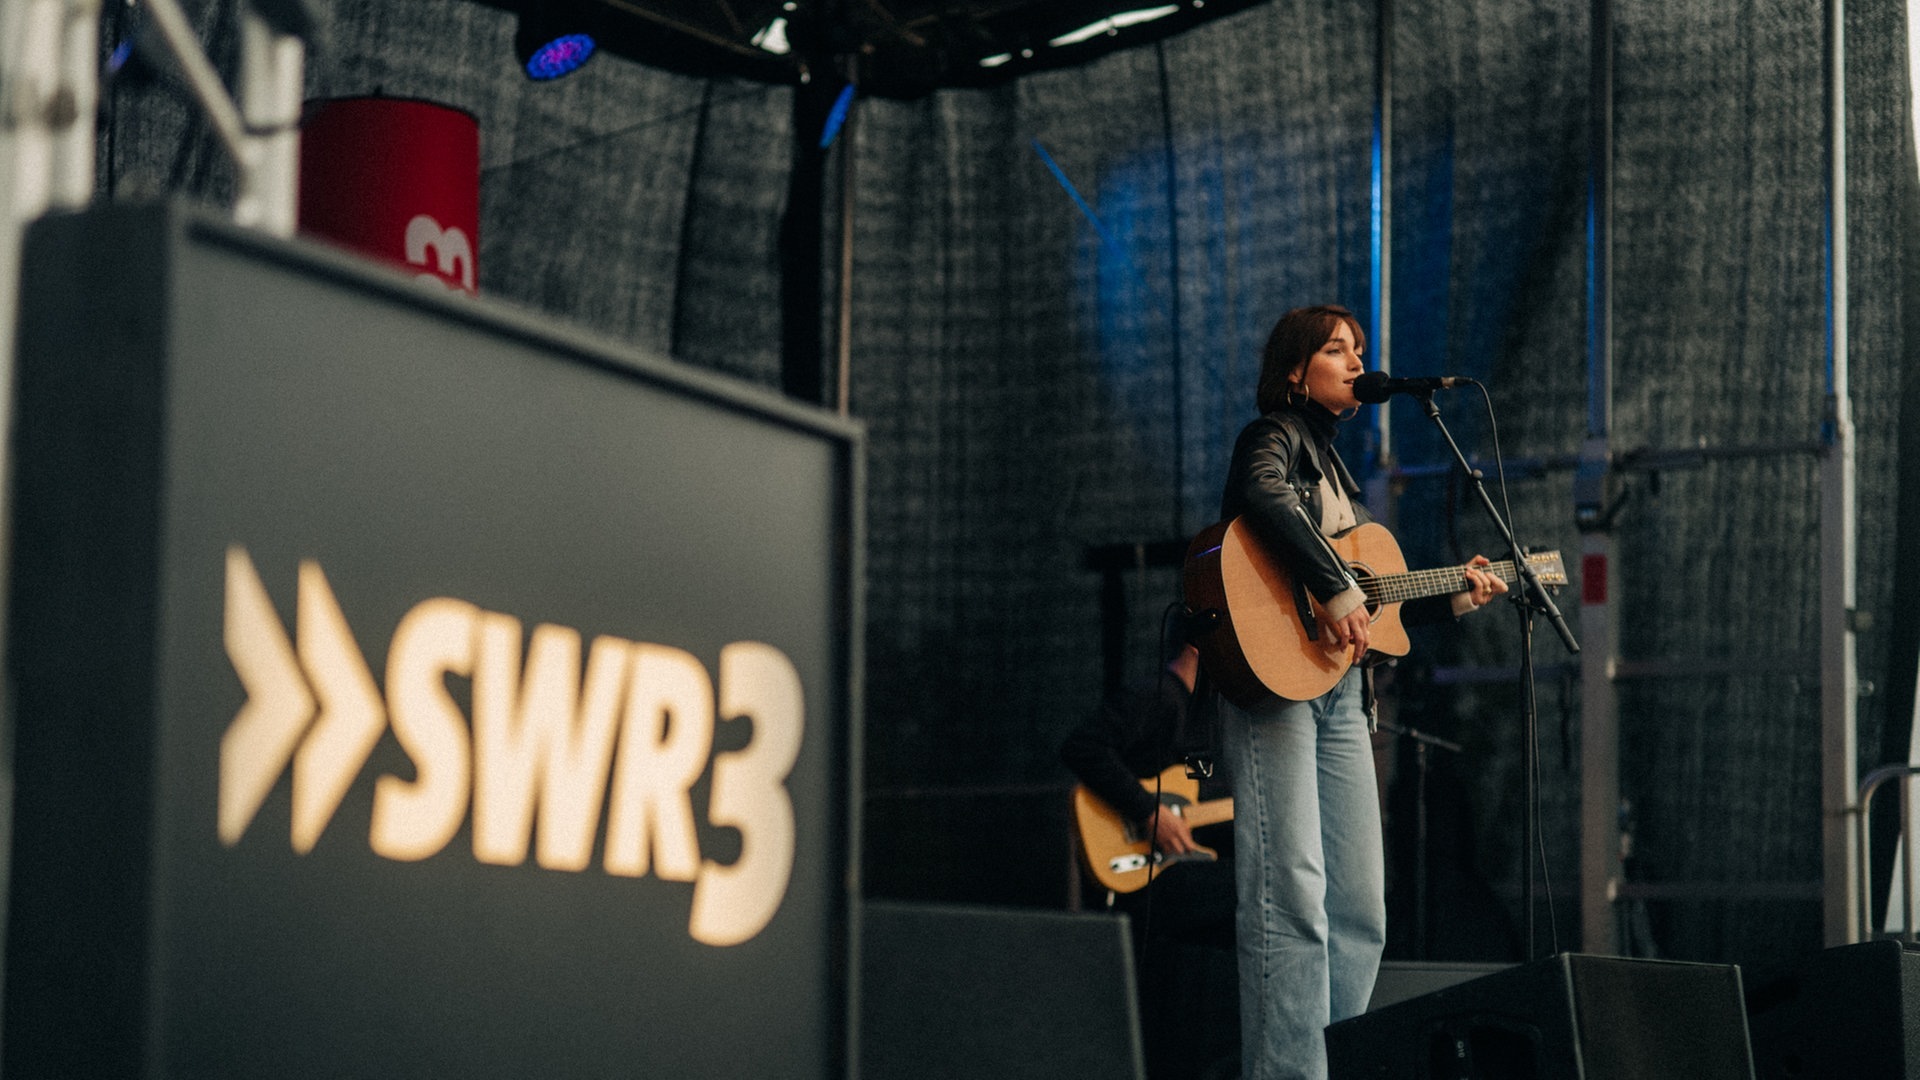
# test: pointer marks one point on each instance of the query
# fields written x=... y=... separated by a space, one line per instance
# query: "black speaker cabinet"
x=1845 y=1013
x=1402 y=980
x=1569 y=1016
x=957 y=993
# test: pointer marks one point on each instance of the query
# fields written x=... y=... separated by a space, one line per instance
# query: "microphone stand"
x=1531 y=598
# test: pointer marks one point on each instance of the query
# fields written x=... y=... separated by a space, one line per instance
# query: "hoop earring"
x=1295 y=398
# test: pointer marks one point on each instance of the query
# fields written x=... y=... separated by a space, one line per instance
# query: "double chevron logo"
x=546 y=749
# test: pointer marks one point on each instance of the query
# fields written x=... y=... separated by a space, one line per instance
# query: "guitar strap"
x=1197 y=740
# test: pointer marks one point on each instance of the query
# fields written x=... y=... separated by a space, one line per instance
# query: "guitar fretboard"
x=1393 y=588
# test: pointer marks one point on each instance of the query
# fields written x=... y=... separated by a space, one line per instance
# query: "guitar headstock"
x=1548 y=566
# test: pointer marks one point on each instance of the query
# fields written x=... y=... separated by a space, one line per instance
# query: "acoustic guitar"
x=1254 y=643
x=1120 y=853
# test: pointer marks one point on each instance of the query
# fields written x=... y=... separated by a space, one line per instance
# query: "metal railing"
x=1862 y=836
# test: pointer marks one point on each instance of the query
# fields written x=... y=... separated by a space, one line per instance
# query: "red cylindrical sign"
x=395 y=179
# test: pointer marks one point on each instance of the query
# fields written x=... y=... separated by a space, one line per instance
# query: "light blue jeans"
x=1311 y=876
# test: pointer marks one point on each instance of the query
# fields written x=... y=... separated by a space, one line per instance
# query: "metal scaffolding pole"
x=1593 y=506
x=1380 y=334
x=1379 y=486
x=1839 y=673
x=272 y=86
x=843 y=324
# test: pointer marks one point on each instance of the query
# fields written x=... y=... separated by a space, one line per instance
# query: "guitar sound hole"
x=1363 y=573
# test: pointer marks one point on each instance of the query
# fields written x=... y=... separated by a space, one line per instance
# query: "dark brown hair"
x=1295 y=338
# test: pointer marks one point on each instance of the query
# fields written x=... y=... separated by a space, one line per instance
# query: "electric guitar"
x=1119 y=853
x=1255 y=643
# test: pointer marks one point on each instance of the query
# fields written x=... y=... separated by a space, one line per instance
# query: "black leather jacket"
x=1274 y=482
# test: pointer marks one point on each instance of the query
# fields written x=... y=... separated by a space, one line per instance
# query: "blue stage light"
x=837 y=117
x=561 y=56
x=550 y=48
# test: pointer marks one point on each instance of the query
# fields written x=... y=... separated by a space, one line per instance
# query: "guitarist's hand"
x=1482 y=587
x=1170 y=833
x=1351 y=631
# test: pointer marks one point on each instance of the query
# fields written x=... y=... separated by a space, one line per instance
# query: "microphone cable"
x=1529 y=689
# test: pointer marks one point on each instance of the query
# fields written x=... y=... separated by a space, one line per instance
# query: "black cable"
x=1161 y=656
x=1546 y=868
x=1153 y=862
x=1173 y=312
x=1566 y=722
x=1527 y=688
x=1168 y=648
x=618 y=133
x=1499 y=460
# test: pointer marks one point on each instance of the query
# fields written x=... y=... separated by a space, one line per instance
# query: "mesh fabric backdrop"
x=1036 y=386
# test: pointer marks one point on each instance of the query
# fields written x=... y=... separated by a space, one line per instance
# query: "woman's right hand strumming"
x=1350 y=631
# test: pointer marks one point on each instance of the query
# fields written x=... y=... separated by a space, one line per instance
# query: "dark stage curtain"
x=1035 y=386
x=1720 y=272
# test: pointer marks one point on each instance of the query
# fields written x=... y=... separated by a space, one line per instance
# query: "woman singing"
x=1311 y=879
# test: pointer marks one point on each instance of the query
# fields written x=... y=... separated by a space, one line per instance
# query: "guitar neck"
x=1393 y=588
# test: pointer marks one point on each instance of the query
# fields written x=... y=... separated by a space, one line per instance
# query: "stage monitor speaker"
x=1569 y=1016
x=1845 y=1013
x=1401 y=980
x=956 y=993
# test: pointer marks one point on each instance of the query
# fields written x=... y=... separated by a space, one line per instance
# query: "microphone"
x=1375 y=387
